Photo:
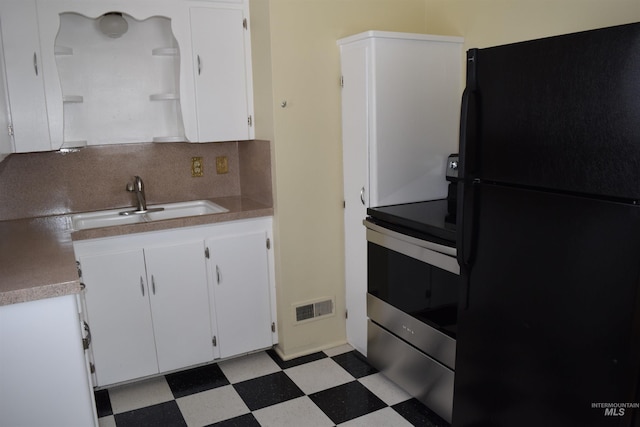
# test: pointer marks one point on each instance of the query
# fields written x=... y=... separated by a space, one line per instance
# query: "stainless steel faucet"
x=137 y=186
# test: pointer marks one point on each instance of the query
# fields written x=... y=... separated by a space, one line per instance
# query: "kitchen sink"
x=108 y=218
x=180 y=210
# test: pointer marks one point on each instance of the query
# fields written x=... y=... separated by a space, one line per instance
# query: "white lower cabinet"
x=148 y=310
x=238 y=265
x=44 y=380
x=179 y=304
x=162 y=301
x=119 y=315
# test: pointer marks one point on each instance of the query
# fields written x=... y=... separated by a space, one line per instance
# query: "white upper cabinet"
x=180 y=72
x=24 y=77
x=222 y=73
x=6 y=134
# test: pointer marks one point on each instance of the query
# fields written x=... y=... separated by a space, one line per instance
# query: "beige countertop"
x=36 y=254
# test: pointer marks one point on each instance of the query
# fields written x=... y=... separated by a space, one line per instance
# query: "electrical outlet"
x=222 y=165
x=197 y=166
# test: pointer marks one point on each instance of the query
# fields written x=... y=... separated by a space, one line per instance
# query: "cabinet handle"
x=35 y=63
x=199 y=65
x=142 y=285
x=153 y=284
x=218 y=274
x=362 y=195
x=86 y=342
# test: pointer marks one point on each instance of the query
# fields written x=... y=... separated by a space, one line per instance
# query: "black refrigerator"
x=549 y=233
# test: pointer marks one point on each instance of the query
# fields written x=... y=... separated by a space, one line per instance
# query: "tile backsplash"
x=95 y=178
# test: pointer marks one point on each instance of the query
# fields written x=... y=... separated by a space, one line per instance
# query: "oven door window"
x=424 y=291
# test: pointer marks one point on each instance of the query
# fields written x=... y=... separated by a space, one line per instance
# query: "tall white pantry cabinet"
x=400 y=113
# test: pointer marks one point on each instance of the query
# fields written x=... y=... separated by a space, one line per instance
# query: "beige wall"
x=296 y=60
x=303 y=59
x=492 y=22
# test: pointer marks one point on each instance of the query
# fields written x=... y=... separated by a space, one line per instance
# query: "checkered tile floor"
x=328 y=388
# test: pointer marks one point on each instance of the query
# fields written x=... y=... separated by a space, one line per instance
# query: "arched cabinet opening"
x=119 y=79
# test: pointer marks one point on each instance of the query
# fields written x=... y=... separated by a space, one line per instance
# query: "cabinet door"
x=119 y=315
x=240 y=280
x=220 y=47
x=24 y=74
x=180 y=304
x=355 y=142
x=43 y=377
x=6 y=137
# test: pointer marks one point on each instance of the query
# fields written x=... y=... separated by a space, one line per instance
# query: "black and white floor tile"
x=336 y=387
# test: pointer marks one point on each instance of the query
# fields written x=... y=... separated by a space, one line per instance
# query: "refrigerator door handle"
x=464 y=133
x=466 y=172
x=467 y=162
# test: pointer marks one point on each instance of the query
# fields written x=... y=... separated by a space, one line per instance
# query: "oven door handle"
x=420 y=250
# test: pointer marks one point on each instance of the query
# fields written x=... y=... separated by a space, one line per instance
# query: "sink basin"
x=113 y=217
x=103 y=219
x=184 y=209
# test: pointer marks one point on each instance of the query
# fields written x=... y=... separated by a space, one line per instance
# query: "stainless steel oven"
x=413 y=286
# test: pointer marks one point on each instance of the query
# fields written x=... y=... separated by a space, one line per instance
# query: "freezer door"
x=561 y=112
x=548 y=325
